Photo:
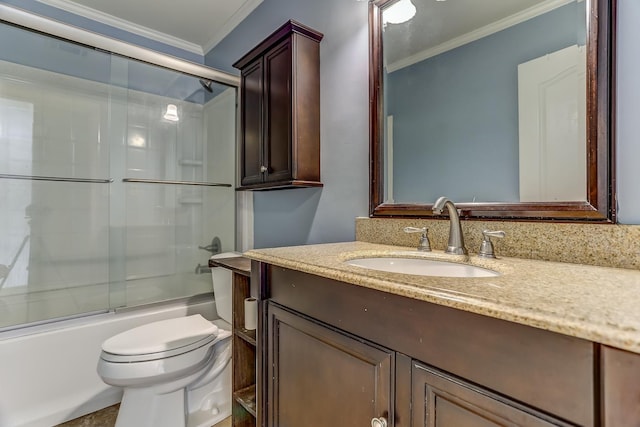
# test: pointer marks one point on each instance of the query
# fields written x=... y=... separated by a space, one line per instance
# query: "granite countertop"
x=599 y=304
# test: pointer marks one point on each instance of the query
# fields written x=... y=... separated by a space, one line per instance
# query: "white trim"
x=123 y=24
x=233 y=22
x=494 y=27
x=245 y=220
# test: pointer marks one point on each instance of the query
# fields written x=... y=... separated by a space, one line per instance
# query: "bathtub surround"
x=592 y=244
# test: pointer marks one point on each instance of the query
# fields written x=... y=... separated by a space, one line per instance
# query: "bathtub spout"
x=202 y=269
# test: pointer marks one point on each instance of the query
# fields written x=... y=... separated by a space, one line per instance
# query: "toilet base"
x=141 y=407
x=210 y=404
x=153 y=407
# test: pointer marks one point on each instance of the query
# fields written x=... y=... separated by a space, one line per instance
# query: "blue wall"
x=42 y=9
x=461 y=108
x=300 y=216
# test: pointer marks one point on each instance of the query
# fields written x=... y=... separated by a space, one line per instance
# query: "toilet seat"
x=160 y=340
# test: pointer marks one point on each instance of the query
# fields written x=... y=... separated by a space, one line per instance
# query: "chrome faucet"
x=456 y=239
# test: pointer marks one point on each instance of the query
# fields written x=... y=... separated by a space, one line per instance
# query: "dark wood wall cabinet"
x=339 y=354
x=280 y=110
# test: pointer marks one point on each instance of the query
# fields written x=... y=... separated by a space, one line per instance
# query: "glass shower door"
x=54 y=186
x=114 y=176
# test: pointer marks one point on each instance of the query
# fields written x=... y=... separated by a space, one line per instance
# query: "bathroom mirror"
x=505 y=107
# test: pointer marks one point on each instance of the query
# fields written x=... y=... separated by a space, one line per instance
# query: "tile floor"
x=107 y=418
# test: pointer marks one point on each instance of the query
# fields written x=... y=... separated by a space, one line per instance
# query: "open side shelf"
x=248 y=336
x=244 y=407
x=247 y=398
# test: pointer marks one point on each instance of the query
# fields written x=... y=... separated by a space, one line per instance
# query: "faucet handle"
x=486 y=247
x=424 y=245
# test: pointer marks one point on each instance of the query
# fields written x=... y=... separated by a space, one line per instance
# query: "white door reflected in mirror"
x=552 y=117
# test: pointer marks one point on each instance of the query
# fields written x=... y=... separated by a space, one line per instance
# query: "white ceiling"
x=192 y=25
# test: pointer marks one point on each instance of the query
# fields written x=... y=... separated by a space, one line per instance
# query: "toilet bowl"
x=175 y=372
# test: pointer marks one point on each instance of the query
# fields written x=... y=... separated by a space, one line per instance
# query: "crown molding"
x=247 y=7
x=122 y=24
x=494 y=27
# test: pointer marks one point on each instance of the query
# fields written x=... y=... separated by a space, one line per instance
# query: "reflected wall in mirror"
x=502 y=106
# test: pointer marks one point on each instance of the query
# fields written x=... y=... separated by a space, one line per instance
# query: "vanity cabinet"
x=345 y=354
x=280 y=110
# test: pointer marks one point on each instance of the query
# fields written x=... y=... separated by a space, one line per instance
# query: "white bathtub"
x=48 y=373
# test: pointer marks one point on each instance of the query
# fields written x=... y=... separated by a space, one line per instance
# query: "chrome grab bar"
x=54 y=178
x=161 y=181
x=108 y=181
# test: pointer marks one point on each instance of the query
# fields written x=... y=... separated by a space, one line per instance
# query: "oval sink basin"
x=422 y=267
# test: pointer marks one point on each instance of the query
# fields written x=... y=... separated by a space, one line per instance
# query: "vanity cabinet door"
x=440 y=400
x=620 y=388
x=318 y=377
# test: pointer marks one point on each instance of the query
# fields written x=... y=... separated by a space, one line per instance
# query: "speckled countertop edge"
x=600 y=304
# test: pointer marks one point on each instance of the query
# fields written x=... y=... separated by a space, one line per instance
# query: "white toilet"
x=174 y=372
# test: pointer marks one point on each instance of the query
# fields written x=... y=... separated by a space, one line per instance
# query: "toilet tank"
x=222 y=285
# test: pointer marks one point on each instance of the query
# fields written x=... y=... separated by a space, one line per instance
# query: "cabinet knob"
x=263 y=169
x=379 y=422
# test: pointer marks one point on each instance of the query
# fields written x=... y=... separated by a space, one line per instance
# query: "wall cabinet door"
x=277 y=144
x=251 y=127
x=319 y=377
x=439 y=400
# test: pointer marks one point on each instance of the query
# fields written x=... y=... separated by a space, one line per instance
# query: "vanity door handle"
x=379 y=422
x=263 y=169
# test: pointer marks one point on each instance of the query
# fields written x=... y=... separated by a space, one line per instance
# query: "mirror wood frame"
x=600 y=205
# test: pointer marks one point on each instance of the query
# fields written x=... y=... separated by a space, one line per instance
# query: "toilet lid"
x=161 y=336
